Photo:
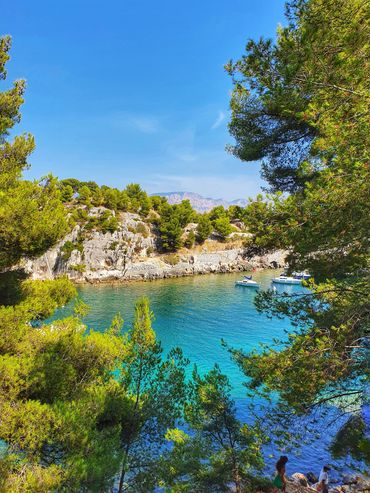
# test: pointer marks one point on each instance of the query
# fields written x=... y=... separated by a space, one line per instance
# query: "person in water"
x=280 y=479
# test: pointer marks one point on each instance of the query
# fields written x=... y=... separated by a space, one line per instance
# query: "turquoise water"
x=196 y=313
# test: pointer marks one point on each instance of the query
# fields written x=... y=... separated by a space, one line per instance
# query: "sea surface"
x=196 y=313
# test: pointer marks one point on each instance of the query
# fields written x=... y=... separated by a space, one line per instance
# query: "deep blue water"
x=195 y=313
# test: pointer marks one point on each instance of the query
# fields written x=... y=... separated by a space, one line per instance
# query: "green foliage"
x=301 y=106
x=217 y=212
x=352 y=440
x=185 y=212
x=66 y=193
x=84 y=195
x=158 y=202
x=123 y=203
x=139 y=200
x=235 y=212
x=71 y=182
x=113 y=245
x=32 y=217
x=68 y=247
x=96 y=197
x=56 y=380
x=223 y=227
x=80 y=215
x=58 y=383
x=190 y=240
x=78 y=268
x=204 y=228
x=156 y=391
x=108 y=222
x=111 y=197
x=220 y=452
x=170 y=229
x=280 y=90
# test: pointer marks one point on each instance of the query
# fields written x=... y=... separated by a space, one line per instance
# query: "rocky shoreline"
x=299 y=483
x=131 y=254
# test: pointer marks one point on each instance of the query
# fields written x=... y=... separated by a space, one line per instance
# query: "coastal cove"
x=196 y=313
x=184 y=247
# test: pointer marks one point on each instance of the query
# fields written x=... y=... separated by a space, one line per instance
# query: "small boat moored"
x=284 y=279
x=301 y=275
x=248 y=282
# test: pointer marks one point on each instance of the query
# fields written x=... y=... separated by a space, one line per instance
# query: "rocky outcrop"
x=357 y=484
x=130 y=253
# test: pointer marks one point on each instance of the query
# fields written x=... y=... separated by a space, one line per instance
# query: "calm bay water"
x=196 y=313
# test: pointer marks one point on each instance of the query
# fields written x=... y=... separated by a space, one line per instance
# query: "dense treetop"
x=302 y=105
x=168 y=220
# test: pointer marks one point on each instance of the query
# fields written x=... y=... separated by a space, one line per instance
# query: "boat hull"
x=287 y=281
x=247 y=284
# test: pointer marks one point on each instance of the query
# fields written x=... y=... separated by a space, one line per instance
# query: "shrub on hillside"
x=190 y=240
x=223 y=227
x=204 y=229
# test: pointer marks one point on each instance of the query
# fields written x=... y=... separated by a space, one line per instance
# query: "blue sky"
x=135 y=91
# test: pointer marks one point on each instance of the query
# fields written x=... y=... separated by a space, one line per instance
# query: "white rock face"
x=130 y=254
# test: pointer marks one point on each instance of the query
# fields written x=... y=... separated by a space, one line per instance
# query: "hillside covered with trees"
x=82 y=410
x=170 y=220
x=302 y=106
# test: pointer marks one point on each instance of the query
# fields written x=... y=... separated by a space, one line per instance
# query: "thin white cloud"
x=128 y=121
x=145 y=124
x=220 y=118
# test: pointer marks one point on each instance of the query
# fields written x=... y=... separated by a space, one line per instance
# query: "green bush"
x=92 y=223
x=223 y=227
x=106 y=222
x=204 y=228
x=78 y=268
x=190 y=240
x=110 y=224
x=68 y=248
x=80 y=215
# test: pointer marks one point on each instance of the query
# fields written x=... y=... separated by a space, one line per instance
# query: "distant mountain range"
x=199 y=203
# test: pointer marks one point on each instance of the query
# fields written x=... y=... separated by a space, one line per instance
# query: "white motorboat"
x=301 y=275
x=248 y=282
x=283 y=279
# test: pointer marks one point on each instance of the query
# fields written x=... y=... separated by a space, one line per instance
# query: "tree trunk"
x=122 y=476
x=236 y=475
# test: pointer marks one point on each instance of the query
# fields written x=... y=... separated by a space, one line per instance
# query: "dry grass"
x=210 y=246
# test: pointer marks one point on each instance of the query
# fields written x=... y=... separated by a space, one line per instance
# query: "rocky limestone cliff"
x=131 y=253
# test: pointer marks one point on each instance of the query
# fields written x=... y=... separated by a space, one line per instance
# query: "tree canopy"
x=301 y=104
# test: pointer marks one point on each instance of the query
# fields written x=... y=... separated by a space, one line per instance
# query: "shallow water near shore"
x=196 y=313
